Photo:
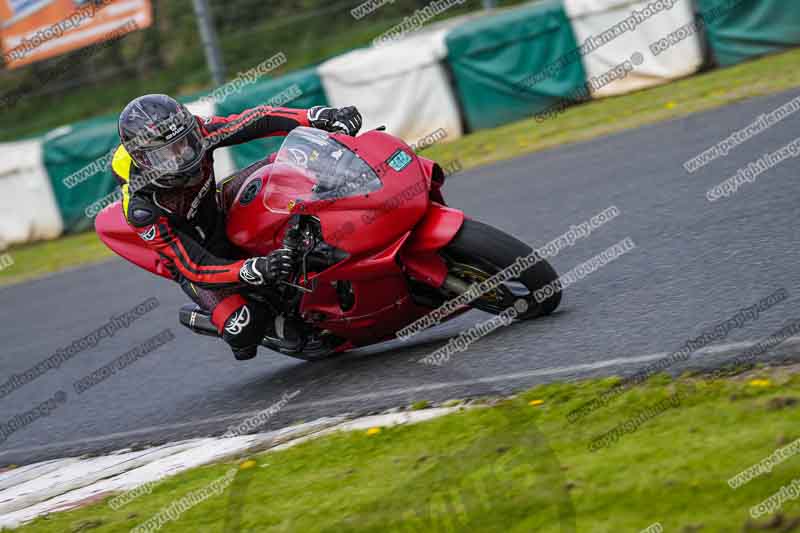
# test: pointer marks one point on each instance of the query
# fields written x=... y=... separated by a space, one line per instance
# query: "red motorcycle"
x=377 y=246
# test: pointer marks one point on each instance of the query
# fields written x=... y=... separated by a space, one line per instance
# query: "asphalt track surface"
x=695 y=264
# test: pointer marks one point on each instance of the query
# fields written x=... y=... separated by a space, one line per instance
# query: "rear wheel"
x=480 y=251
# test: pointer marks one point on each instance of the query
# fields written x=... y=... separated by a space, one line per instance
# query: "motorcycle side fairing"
x=383 y=303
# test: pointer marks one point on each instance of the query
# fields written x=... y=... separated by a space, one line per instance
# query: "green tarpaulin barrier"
x=79 y=164
x=299 y=89
x=738 y=30
x=514 y=64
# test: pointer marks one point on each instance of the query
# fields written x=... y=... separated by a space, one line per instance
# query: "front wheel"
x=480 y=251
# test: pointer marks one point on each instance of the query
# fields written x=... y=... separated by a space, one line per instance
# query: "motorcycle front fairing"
x=362 y=203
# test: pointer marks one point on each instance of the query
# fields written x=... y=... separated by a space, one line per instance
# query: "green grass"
x=517 y=466
x=714 y=89
x=422 y=404
x=38 y=259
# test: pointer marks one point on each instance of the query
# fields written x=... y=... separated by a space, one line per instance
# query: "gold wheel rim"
x=471 y=275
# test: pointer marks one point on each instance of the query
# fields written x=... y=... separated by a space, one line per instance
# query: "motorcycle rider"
x=164 y=165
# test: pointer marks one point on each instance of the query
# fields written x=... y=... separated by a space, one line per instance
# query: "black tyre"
x=480 y=251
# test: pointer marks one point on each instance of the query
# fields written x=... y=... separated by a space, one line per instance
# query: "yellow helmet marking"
x=122 y=163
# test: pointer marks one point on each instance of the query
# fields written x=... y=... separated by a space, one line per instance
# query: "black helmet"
x=164 y=140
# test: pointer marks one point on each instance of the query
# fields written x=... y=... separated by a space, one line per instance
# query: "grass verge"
x=717 y=88
x=38 y=259
x=515 y=466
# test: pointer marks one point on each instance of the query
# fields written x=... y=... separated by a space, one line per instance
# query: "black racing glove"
x=277 y=266
x=347 y=119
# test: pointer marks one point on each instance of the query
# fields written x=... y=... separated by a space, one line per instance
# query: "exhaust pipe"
x=197 y=320
x=456 y=285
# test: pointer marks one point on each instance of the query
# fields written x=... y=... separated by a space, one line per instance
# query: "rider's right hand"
x=346 y=120
x=277 y=266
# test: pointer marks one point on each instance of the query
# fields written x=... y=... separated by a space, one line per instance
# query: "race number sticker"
x=399 y=160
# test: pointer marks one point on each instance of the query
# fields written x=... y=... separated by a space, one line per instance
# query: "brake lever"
x=304 y=272
x=298 y=287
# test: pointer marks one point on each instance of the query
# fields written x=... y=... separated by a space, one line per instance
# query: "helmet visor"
x=178 y=156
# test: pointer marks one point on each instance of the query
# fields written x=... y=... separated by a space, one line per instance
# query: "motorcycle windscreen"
x=312 y=166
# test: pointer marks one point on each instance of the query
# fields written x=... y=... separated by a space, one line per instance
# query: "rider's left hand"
x=347 y=119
